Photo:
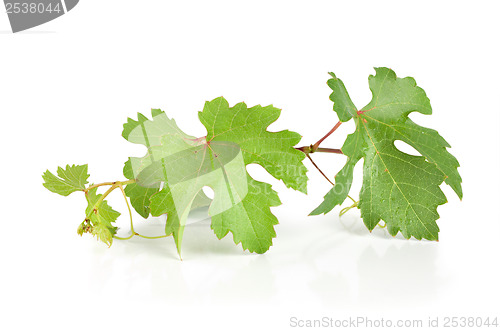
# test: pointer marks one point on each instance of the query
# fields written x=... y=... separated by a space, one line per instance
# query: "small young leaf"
x=70 y=180
x=99 y=218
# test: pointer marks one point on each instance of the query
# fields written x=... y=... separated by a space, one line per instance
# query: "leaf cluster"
x=399 y=189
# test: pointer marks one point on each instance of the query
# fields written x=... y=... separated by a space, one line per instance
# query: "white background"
x=67 y=86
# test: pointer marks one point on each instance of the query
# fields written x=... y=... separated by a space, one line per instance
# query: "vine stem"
x=130 y=213
x=140 y=235
x=328 y=150
x=101 y=199
x=109 y=183
x=321 y=172
x=346 y=209
x=316 y=145
x=157 y=237
x=114 y=185
x=309 y=150
x=315 y=148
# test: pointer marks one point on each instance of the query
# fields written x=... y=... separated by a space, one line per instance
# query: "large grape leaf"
x=182 y=165
x=251 y=221
x=247 y=127
x=400 y=189
x=151 y=133
x=218 y=165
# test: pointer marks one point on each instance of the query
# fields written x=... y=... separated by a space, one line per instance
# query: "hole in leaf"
x=405 y=148
x=208 y=191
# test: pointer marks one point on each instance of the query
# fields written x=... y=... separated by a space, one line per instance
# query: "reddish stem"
x=309 y=150
x=316 y=145
x=329 y=150
x=321 y=172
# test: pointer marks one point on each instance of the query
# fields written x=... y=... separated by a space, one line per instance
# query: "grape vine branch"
x=399 y=191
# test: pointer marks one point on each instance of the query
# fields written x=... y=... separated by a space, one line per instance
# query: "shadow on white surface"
x=342 y=266
x=372 y=269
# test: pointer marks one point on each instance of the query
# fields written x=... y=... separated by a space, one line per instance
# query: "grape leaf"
x=218 y=165
x=400 y=189
x=247 y=127
x=251 y=221
x=70 y=180
x=237 y=136
x=99 y=218
x=150 y=134
x=139 y=196
x=342 y=103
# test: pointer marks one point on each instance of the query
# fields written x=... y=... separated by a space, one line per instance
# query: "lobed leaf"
x=178 y=166
x=68 y=180
x=150 y=134
x=100 y=218
x=247 y=127
x=401 y=189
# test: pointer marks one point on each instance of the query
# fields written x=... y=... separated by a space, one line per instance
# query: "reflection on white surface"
x=317 y=266
x=344 y=266
x=372 y=269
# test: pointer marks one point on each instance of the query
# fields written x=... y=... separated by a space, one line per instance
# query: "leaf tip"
x=316 y=212
x=333 y=75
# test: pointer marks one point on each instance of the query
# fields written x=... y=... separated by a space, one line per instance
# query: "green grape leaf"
x=139 y=196
x=99 y=218
x=400 y=189
x=70 y=180
x=182 y=165
x=342 y=103
x=250 y=221
x=149 y=133
x=247 y=127
x=220 y=166
x=353 y=147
